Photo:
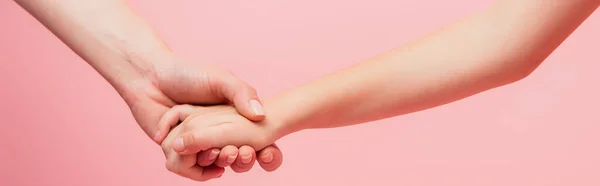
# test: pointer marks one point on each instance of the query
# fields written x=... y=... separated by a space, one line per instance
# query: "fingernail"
x=267 y=157
x=257 y=107
x=213 y=154
x=179 y=146
x=246 y=159
x=231 y=159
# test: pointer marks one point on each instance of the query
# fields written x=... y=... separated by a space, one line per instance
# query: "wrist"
x=144 y=75
x=281 y=119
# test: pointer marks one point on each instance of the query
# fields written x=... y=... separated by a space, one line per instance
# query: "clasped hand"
x=155 y=106
x=192 y=147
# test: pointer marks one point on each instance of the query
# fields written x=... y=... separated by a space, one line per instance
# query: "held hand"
x=183 y=82
x=163 y=87
x=243 y=132
x=219 y=126
x=126 y=51
x=186 y=165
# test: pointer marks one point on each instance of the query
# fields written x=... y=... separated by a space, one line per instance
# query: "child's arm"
x=486 y=50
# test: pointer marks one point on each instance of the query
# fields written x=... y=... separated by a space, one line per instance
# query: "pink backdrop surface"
x=62 y=124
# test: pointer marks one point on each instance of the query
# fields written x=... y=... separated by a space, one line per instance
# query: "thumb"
x=199 y=140
x=243 y=97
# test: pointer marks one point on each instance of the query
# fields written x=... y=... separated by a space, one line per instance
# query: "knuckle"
x=172 y=167
x=189 y=140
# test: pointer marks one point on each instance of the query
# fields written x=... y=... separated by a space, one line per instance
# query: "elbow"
x=517 y=71
x=522 y=73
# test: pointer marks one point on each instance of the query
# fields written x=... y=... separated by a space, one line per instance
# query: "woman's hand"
x=125 y=50
x=195 y=83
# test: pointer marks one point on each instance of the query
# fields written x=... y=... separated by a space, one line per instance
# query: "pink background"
x=62 y=124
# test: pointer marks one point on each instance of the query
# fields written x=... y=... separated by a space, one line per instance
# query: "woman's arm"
x=501 y=45
x=108 y=35
x=126 y=51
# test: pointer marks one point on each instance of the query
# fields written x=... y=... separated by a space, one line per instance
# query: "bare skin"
x=118 y=44
x=489 y=49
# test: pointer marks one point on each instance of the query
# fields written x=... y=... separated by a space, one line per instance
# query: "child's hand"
x=205 y=128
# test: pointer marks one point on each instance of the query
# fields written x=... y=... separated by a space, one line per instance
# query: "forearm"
x=108 y=35
x=486 y=50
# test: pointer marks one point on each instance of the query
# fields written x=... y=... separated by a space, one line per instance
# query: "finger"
x=208 y=157
x=243 y=96
x=177 y=163
x=186 y=166
x=170 y=119
x=227 y=156
x=245 y=160
x=198 y=173
x=193 y=142
x=270 y=158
